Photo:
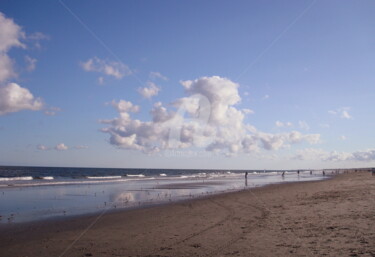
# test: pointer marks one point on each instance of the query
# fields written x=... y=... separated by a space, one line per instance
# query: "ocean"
x=37 y=193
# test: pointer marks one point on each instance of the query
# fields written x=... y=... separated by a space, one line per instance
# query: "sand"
x=334 y=217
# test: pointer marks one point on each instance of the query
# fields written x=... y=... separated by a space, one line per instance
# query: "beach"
x=334 y=217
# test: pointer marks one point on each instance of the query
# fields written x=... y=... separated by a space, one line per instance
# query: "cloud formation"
x=149 y=91
x=61 y=147
x=335 y=156
x=157 y=75
x=342 y=112
x=207 y=117
x=280 y=124
x=110 y=68
x=14 y=98
x=30 y=62
x=11 y=35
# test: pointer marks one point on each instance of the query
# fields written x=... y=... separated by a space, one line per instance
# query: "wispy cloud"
x=157 y=75
x=280 y=124
x=342 y=112
x=30 y=63
x=110 y=68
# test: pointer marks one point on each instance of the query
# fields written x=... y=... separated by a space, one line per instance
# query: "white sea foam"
x=137 y=175
x=104 y=177
x=48 y=178
x=16 y=178
x=163 y=175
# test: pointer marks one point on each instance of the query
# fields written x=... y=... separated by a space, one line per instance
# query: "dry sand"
x=326 y=218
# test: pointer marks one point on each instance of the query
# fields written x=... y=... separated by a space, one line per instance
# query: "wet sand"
x=334 y=217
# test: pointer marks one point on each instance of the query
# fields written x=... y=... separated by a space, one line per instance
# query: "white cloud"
x=109 y=68
x=335 y=156
x=280 y=124
x=61 y=147
x=247 y=111
x=30 y=62
x=123 y=106
x=149 y=91
x=10 y=34
x=157 y=75
x=14 y=98
x=42 y=147
x=345 y=115
x=343 y=112
x=207 y=117
x=303 y=125
x=367 y=155
x=6 y=68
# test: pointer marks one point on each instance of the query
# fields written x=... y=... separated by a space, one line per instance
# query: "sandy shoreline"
x=334 y=217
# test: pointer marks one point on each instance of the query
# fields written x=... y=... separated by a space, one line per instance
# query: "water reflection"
x=20 y=204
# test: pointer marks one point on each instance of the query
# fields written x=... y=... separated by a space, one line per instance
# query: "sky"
x=187 y=84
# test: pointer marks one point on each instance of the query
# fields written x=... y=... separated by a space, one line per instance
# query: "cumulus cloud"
x=157 y=75
x=6 y=68
x=14 y=98
x=109 y=68
x=61 y=147
x=342 y=112
x=11 y=35
x=149 y=91
x=207 y=117
x=123 y=106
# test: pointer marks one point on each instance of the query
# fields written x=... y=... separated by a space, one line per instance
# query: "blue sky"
x=187 y=84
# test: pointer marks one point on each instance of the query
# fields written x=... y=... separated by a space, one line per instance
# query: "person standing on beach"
x=246 y=173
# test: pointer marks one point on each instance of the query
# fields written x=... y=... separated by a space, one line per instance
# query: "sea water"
x=37 y=193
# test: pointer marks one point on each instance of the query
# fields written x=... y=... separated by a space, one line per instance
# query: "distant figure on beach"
x=246 y=173
x=298 y=172
x=310 y=172
x=283 y=174
x=324 y=173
